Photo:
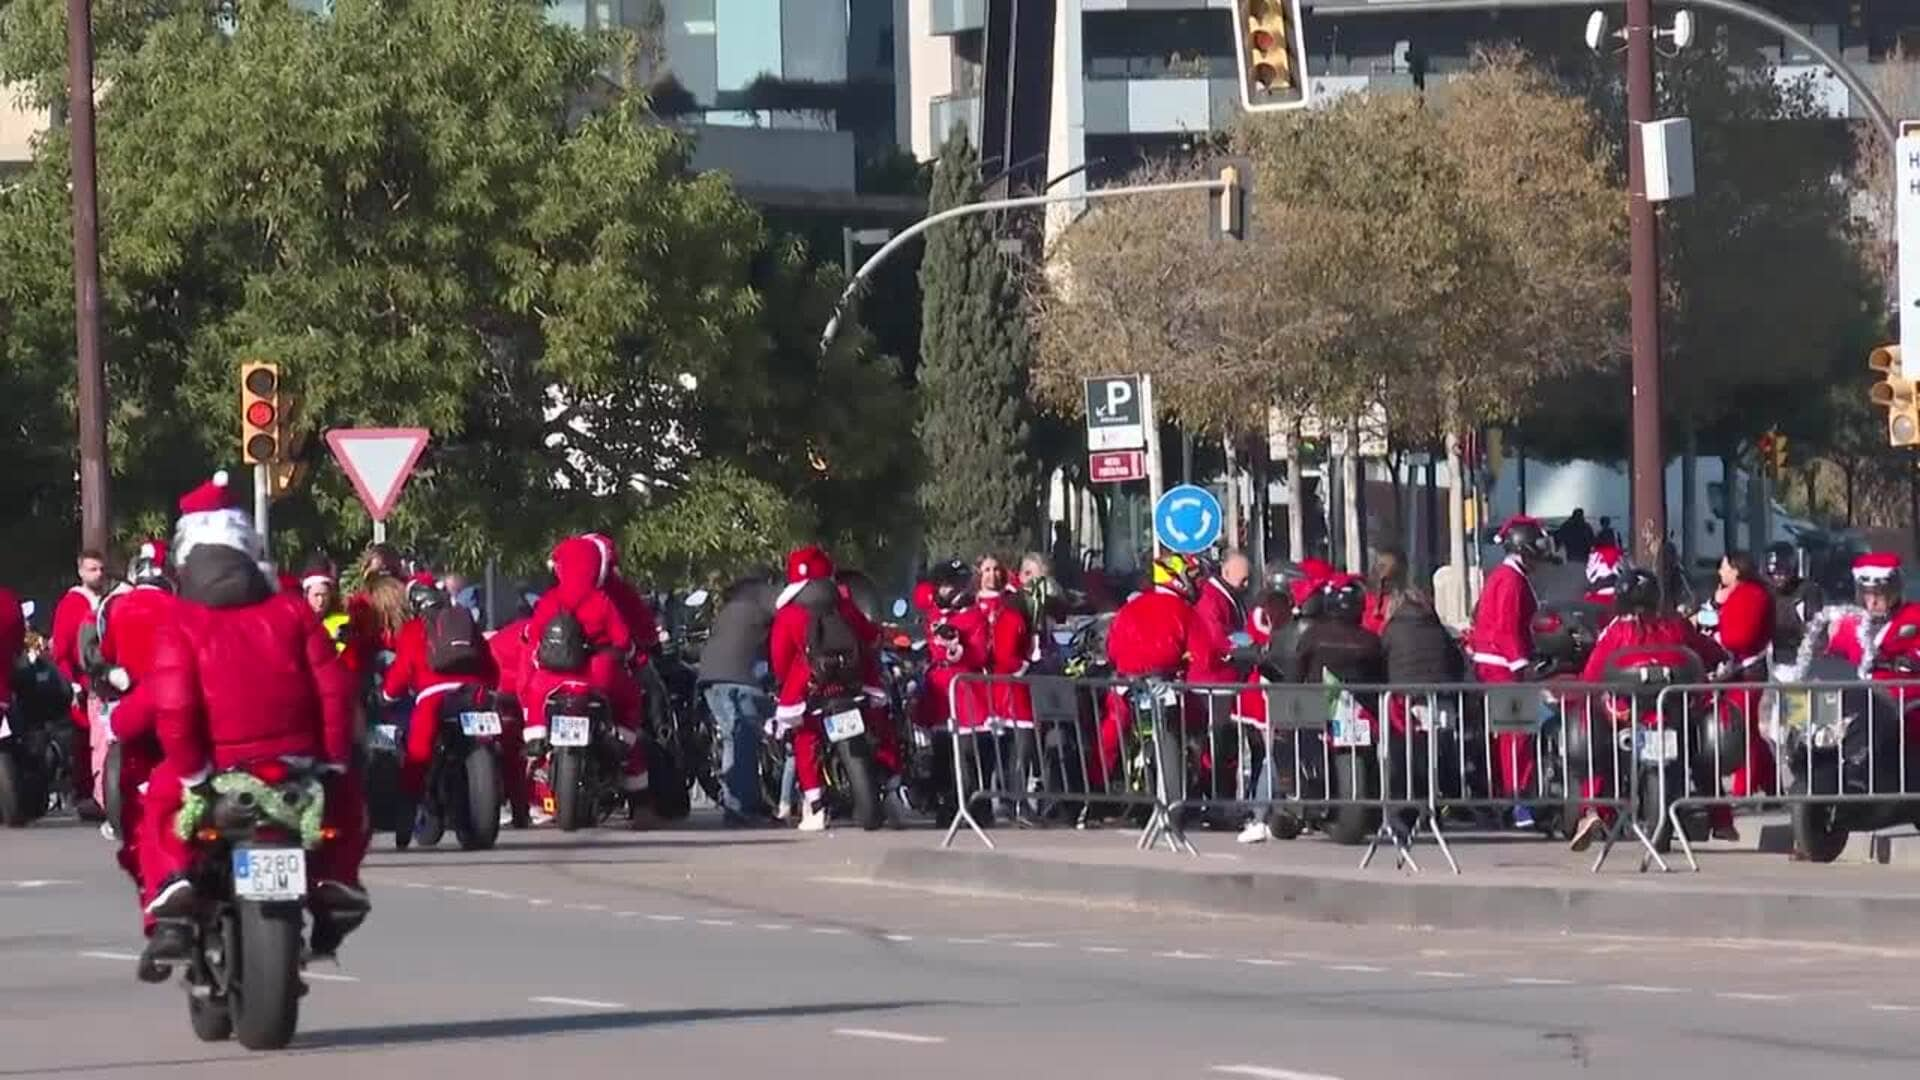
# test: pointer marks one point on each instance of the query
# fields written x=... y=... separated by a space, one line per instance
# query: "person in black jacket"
x=1338 y=645
x=1416 y=644
x=733 y=677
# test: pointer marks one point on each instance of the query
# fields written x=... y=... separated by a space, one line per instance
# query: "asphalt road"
x=759 y=956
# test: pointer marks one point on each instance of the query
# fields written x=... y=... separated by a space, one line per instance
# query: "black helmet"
x=422 y=597
x=1346 y=598
x=1783 y=562
x=1636 y=592
x=1525 y=537
x=952 y=581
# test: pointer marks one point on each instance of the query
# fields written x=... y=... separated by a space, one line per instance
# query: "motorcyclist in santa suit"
x=129 y=622
x=243 y=674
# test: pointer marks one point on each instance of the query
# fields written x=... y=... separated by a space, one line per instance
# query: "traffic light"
x=1894 y=393
x=1272 y=54
x=1232 y=203
x=260 y=419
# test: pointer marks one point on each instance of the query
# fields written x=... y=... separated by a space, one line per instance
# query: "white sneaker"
x=539 y=816
x=1254 y=832
x=814 y=819
x=108 y=833
x=893 y=805
x=784 y=811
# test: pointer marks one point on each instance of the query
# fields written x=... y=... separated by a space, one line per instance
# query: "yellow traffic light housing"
x=1894 y=393
x=260 y=419
x=1272 y=54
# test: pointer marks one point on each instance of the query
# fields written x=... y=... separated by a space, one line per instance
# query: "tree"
x=974 y=425
x=431 y=213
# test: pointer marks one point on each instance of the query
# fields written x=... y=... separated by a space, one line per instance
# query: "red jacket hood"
x=579 y=568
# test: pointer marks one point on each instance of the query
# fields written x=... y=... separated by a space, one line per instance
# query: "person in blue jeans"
x=733 y=672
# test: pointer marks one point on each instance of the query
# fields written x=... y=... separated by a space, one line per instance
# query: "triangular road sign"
x=378 y=460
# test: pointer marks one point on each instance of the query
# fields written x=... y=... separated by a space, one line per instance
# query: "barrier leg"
x=1680 y=834
x=963 y=810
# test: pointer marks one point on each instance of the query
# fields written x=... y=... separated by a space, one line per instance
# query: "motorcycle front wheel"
x=856 y=765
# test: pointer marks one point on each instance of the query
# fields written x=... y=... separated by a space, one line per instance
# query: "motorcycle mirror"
x=27 y=608
x=696 y=599
x=899 y=608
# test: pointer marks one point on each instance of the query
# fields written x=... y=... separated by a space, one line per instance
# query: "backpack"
x=453 y=641
x=833 y=650
x=563 y=644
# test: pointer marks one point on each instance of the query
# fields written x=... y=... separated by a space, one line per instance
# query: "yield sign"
x=378 y=460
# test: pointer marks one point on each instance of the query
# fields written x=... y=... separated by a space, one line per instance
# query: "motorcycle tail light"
x=328 y=833
x=270 y=772
x=207 y=835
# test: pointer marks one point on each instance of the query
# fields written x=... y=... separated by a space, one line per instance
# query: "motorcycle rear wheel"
x=265 y=999
x=478 y=825
x=856 y=763
x=14 y=812
x=569 y=789
x=1816 y=838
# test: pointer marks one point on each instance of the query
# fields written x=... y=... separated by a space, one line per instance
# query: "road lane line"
x=1033 y=944
x=773 y=926
x=966 y=941
x=668 y=918
x=1894 y=1008
x=1635 y=988
x=714 y=922
x=1104 y=950
x=103 y=954
x=1261 y=961
x=625 y=914
x=536 y=902
x=888 y=1036
x=325 y=976
x=1740 y=995
x=899 y=937
x=1265 y=1072
x=1361 y=969
x=1528 y=980
x=1182 y=954
x=825 y=930
x=576 y=1003
x=1441 y=974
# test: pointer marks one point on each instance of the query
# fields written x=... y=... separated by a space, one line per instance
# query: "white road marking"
x=888 y=1036
x=1441 y=974
x=825 y=930
x=1362 y=969
x=714 y=922
x=326 y=976
x=590 y=907
x=536 y=902
x=625 y=914
x=1261 y=961
x=39 y=883
x=1264 y=1072
x=1734 y=995
x=1182 y=954
x=1894 y=1008
x=772 y=926
x=1033 y=944
x=577 y=1003
x=899 y=937
x=1105 y=950
x=966 y=941
x=1524 y=980
x=1634 y=988
x=103 y=954
x=668 y=918
x=415 y=885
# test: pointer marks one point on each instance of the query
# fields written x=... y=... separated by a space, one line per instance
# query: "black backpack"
x=454 y=644
x=833 y=651
x=563 y=644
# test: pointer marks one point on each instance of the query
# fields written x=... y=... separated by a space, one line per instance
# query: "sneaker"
x=783 y=812
x=539 y=815
x=1591 y=827
x=1254 y=832
x=170 y=943
x=338 y=896
x=108 y=832
x=1725 y=832
x=814 y=819
x=175 y=900
x=893 y=806
x=1523 y=817
x=87 y=810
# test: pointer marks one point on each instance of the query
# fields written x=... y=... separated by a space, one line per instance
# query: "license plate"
x=569 y=730
x=845 y=725
x=1659 y=746
x=383 y=737
x=270 y=874
x=480 y=723
x=1349 y=726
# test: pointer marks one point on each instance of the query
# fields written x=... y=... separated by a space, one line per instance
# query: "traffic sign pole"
x=262 y=498
x=1155 y=486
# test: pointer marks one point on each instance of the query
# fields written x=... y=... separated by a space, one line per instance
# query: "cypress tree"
x=975 y=420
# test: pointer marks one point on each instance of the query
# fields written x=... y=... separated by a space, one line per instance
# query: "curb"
x=1649 y=908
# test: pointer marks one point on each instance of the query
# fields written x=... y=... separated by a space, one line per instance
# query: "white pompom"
x=220 y=478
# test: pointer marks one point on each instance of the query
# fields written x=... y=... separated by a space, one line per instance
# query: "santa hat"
x=317 y=572
x=1316 y=570
x=609 y=553
x=1603 y=564
x=805 y=565
x=1875 y=568
x=151 y=551
x=1508 y=525
x=209 y=516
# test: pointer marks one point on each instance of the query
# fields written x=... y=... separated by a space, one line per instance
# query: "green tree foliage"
x=974 y=426
x=430 y=213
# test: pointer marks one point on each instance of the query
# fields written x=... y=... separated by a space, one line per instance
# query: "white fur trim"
x=311 y=580
x=201 y=777
x=221 y=479
x=222 y=528
x=790 y=712
x=534 y=731
x=120 y=680
x=147 y=551
x=605 y=548
x=1873 y=575
x=435 y=690
x=787 y=594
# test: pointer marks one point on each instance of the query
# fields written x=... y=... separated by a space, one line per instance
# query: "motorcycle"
x=586 y=751
x=846 y=760
x=463 y=779
x=35 y=739
x=1848 y=742
x=681 y=745
x=380 y=748
x=252 y=843
x=1664 y=746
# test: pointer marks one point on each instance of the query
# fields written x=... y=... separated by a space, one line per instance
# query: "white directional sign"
x=378 y=460
x=1115 y=420
x=1906 y=210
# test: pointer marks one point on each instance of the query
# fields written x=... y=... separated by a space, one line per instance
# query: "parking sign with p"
x=1114 y=419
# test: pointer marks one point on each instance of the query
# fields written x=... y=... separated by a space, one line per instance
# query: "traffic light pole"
x=900 y=239
x=262 y=500
x=95 y=517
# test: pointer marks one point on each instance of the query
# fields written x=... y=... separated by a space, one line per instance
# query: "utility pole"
x=95 y=518
x=1649 y=455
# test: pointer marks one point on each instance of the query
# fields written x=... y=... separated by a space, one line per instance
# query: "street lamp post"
x=1643 y=241
x=94 y=515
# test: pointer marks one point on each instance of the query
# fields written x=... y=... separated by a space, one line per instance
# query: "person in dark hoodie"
x=242 y=674
x=733 y=676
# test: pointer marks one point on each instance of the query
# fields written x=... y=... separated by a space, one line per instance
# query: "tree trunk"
x=1850 y=470
x=1233 y=541
x=1401 y=519
x=1296 y=503
x=1689 y=495
x=1812 y=475
x=1430 y=520
x=1457 y=513
x=1520 y=468
x=1260 y=513
x=1350 y=498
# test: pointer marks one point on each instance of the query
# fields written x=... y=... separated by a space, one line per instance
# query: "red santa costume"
x=1149 y=638
x=1217 y=616
x=1502 y=647
x=412 y=675
x=580 y=569
x=1603 y=566
x=130 y=622
x=79 y=606
x=508 y=645
x=243 y=676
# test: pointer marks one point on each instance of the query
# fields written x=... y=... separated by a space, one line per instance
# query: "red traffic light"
x=1263 y=40
x=260 y=414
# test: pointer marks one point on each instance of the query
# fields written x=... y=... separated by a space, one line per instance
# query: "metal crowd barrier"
x=1388 y=765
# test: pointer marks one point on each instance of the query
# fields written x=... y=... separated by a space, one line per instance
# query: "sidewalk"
x=1516 y=882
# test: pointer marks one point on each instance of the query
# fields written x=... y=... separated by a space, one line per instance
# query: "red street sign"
x=1117 y=466
x=378 y=460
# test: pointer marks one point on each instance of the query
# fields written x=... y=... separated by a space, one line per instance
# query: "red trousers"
x=163 y=854
x=423 y=734
x=604 y=675
x=1115 y=722
x=809 y=739
x=1515 y=749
